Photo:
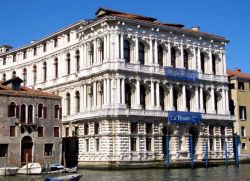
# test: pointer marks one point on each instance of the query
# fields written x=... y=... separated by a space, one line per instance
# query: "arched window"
x=56 y=67
x=202 y=62
x=162 y=98
x=173 y=57
x=216 y=100
x=4 y=77
x=34 y=74
x=175 y=98
x=13 y=74
x=44 y=71
x=126 y=51
x=23 y=113
x=141 y=53
x=205 y=101
x=40 y=110
x=30 y=114
x=77 y=99
x=160 y=56
x=57 y=111
x=12 y=109
x=68 y=103
x=142 y=96
x=214 y=63
x=188 y=99
x=68 y=63
x=185 y=54
x=24 y=76
x=77 y=60
x=128 y=95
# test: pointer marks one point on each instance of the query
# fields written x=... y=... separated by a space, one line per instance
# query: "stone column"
x=199 y=59
x=138 y=93
x=108 y=91
x=227 y=102
x=94 y=94
x=171 y=97
x=201 y=100
x=85 y=96
x=123 y=91
x=118 y=92
x=182 y=57
x=169 y=55
x=82 y=59
x=105 y=48
x=156 y=53
x=108 y=47
x=194 y=65
x=210 y=62
x=158 y=95
x=151 y=60
x=104 y=91
x=196 y=99
x=224 y=64
x=212 y=100
x=94 y=52
x=121 y=46
x=82 y=98
x=152 y=94
x=136 y=50
x=184 y=101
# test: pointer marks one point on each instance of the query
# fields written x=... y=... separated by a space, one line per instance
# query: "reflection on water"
x=200 y=174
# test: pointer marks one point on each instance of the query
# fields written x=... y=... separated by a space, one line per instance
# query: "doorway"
x=26 y=149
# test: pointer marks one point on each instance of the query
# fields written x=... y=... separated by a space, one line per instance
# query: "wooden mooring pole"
x=27 y=156
x=5 y=164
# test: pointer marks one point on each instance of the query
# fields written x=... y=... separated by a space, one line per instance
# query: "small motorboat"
x=7 y=171
x=31 y=169
x=55 y=167
x=73 y=177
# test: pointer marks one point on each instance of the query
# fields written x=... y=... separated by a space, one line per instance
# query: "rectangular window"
x=87 y=145
x=12 y=131
x=76 y=131
x=24 y=55
x=44 y=47
x=223 y=144
x=134 y=128
x=34 y=51
x=243 y=146
x=48 y=149
x=211 y=144
x=40 y=131
x=56 y=132
x=55 y=42
x=96 y=128
x=243 y=112
x=149 y=128
x=222 y=130
x=133 y=144
x=241 y=86
x=242 y=131
x=211 y=130
x=97 y=145
x=86 y=129
x=149 y=144
x=3 y=150
x=67 y=131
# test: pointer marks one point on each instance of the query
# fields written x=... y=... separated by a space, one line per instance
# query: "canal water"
x=221 y=173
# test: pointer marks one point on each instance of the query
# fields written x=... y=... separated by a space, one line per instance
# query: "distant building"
x=30 y=124
x=240 y=107
x=129 y=81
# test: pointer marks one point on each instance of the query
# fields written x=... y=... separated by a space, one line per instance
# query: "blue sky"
x=26 y=20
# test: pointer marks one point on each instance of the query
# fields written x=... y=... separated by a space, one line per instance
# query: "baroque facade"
x=30 y=125
x=117 y=94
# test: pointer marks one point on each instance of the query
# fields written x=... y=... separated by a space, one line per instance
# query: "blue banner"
x=184 y=117
x=181 y=74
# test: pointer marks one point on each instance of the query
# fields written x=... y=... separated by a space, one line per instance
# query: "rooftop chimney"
x=195 y=28
x=5 y=48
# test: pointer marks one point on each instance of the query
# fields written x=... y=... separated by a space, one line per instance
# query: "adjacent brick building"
x=30 y=123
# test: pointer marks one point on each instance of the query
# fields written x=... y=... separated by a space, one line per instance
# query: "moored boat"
x=7 y=171
x=73 y=177
x=31 y=169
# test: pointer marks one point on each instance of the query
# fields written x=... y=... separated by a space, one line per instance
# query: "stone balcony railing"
x=119 y=65
x=114 y=112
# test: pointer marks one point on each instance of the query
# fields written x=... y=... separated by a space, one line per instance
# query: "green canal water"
x=221 y=173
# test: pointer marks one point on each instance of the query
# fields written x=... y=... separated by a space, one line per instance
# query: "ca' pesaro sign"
x=179 y=117
x=180 y=74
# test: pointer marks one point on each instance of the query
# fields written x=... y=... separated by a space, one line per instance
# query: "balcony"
x=180 y=74
x=114 y=112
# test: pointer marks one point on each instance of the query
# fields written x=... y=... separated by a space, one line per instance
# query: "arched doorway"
x=26 y=148
x=195 y=134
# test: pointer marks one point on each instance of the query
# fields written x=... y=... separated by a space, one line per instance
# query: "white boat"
x=8 y=171
x=33 y=169
x=73 y=177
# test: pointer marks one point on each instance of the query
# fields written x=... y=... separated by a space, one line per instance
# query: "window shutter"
x=44 y=112
x=17 y=111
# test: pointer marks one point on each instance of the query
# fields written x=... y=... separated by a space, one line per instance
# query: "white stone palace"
x=110 y=72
